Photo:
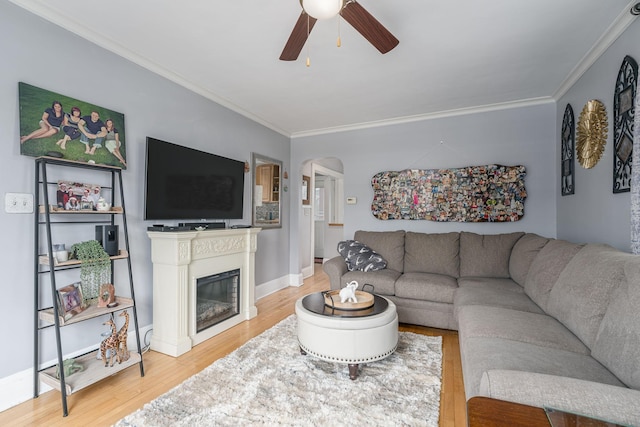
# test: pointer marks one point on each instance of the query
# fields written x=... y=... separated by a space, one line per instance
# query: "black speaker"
x=107 y=235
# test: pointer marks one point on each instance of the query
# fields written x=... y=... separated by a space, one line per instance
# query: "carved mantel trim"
x=208 y=246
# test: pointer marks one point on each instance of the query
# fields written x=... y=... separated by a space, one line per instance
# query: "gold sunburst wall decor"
x=592 y=133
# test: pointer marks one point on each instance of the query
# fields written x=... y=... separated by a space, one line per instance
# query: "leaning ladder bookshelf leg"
x=126 y=242
x=36 y=293
x=45 y=197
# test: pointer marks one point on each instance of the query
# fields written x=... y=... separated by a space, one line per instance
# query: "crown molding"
x=429 y=116
x=43 y=10
x=619 y=25
x=50 y=14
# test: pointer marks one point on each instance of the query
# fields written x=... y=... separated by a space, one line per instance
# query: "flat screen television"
x=184 y=183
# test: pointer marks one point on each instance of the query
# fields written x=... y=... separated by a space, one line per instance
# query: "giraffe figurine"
x=110 y=343
x=122 y=338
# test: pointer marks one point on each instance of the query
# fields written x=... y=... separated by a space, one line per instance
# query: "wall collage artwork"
x=490 y=193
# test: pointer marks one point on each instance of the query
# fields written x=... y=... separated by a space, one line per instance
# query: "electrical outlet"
x=18 y=203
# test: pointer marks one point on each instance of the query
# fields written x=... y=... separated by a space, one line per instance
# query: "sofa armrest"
x=596 y=400
x=335 y=268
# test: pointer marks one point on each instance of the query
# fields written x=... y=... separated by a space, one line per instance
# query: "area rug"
x=268 y=382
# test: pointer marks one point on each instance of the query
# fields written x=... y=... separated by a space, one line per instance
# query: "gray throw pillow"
x=359 y=256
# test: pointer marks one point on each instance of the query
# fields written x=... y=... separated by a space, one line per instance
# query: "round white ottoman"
x=351 y=340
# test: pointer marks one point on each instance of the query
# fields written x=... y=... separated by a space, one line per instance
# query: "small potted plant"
x=95 y=267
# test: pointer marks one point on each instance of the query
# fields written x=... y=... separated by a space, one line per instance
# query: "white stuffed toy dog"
x=348 y=293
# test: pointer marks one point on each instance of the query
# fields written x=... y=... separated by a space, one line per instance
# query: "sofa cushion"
x=490 y=283
x=389 y=244
x=426 y=286
x=523 y=254
x=617 y=344
x=533 y=328
x=432 y=253
x=423 y=312
x=581 y=295
x=492 y=298
x=359 y=256
x=546 y=268
x=383 y=281
x=486 y=255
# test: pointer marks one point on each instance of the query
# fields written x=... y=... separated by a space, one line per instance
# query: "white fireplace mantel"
x=179 y=259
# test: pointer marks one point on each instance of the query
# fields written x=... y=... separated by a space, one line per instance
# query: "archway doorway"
x=321 y=220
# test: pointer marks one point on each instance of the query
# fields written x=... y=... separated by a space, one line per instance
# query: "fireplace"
x=217 y=298
x=203 y=284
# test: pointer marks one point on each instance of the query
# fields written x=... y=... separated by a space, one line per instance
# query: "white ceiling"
x=453 y=56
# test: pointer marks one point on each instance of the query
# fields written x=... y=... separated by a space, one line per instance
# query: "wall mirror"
x=267 y=191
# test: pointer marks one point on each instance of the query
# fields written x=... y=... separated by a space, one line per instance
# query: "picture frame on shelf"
x=70 y=301
x=107 y=295
x=73 y=196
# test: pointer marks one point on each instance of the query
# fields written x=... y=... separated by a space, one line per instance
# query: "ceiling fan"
x=354 y=14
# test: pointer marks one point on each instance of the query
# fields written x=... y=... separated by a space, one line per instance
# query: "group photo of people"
x=56 y=125
x=76 y=196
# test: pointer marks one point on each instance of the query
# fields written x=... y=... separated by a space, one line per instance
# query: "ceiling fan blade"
x=298 y=37
x=369 y=27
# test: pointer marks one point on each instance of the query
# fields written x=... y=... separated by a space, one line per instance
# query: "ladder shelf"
x=47 y=267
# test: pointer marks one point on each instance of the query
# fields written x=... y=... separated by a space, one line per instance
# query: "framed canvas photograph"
x=56 y=125
x=70 y=301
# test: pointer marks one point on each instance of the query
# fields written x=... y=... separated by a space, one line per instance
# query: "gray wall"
x=516 y=136
x=39 y=53
x=594 y=213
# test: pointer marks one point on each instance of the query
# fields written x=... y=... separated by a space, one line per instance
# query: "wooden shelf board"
x=94 y=371
x=44 y=259
x=89 y=313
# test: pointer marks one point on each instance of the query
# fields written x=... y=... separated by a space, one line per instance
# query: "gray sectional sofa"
x=543 y=322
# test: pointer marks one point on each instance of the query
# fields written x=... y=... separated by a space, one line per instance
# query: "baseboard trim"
x=307 y=271
x=267 y=288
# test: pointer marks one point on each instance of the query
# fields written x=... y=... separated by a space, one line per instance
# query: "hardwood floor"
x=104 y=403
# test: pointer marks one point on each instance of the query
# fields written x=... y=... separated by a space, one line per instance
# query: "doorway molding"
x=317 y=169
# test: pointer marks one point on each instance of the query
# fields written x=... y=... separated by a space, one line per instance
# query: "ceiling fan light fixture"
x=322 y=9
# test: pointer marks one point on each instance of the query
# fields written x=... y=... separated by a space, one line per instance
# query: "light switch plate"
x=352 y=200
x=18 y=203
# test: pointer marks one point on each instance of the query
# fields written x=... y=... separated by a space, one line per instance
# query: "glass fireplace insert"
x=217 y=298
